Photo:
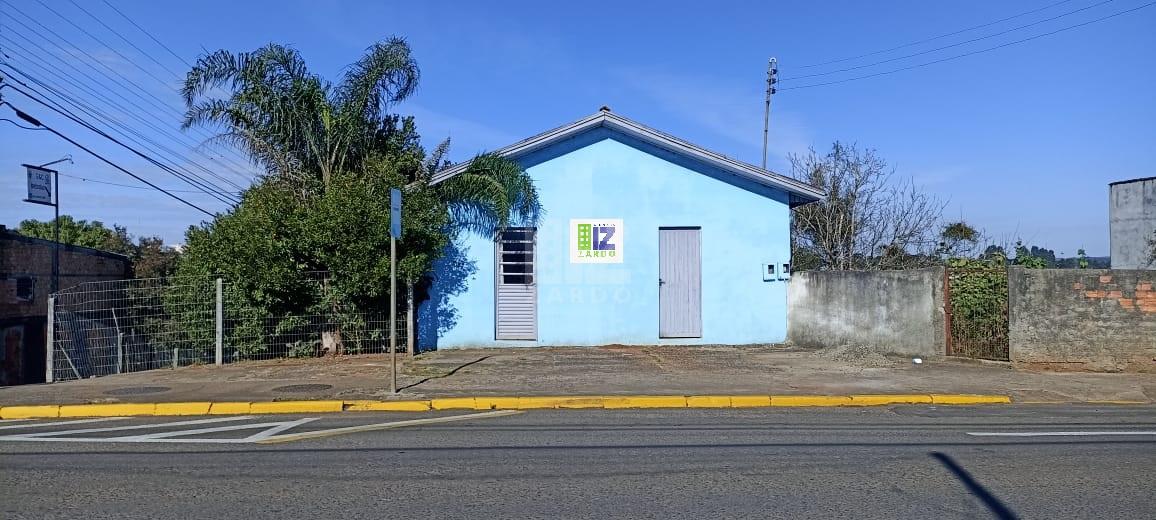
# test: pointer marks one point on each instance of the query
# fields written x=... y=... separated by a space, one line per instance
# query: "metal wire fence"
x=976 y=306
x=103 y=328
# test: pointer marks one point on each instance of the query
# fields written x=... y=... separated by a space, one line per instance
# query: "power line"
x=99 y=115
x=188 y=176
x=146 y=33
x=933 y=38
x=121 y=36
x=208 y=191
x=973 y=40
x=119 y=184
x=36 y=122
x=102 y=42
x=135 y=114
x=155 y=101
x=18 y=125
x=949 y=58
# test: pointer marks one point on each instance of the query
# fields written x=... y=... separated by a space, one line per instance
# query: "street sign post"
x=41 y=184
x=394 y=234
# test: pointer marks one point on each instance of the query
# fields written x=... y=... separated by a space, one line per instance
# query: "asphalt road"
x=898 y=462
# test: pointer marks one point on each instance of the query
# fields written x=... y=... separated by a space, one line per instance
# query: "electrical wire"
x=18 y=125
x=937 y=49
x=933 y=38
x=146 y=33
x=122 y=38
x=140 y=154
x=972 y=53
x=26 y=117
x=102 y=42
x=119 y=184
x=188 y=176
x=134 y=112
x=139 y=92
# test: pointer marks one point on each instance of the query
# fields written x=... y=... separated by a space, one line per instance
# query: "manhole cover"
x=302 y=388
x=138 y=390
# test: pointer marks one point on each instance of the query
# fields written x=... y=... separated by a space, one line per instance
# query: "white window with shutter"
x=516 y=290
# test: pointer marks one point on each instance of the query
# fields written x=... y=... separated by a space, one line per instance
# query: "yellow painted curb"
x=750 y=401
x=810 y=400
x=885 y=399
x=228 y=408
x=969 y=399
x=708 y=401
x=579 y=402
x=453 y=403
x=387 y=406
x=192 y=408
x=495 y=403
x=536 y=403
x=297 y=407
x=644 y=401
x=107 y=410
x=30 y=412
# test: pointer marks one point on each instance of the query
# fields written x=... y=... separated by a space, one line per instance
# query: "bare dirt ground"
x=614 y=370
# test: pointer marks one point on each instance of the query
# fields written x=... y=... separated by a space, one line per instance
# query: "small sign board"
x=39 y=185
x=596 y=241
x=395 y=212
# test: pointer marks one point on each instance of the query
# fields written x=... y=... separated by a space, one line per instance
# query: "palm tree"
x=292 y=122
x=301 y=128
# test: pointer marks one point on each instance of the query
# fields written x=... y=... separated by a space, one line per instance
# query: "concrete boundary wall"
x=889 y=311
x=1083 y=319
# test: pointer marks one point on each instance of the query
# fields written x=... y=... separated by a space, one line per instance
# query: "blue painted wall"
x=604 y=174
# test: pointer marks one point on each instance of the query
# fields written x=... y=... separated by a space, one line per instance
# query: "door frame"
x=700 y=323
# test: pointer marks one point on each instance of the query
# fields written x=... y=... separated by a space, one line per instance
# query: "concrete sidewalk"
x=591 y=371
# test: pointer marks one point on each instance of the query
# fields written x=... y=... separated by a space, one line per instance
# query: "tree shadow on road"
x=997 y=507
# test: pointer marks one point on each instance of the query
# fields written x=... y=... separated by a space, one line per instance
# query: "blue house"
x=645 y=239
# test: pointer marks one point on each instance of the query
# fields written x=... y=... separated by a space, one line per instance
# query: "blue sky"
x=1021 y=141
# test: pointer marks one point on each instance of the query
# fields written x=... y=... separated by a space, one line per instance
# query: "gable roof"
x=800 y=192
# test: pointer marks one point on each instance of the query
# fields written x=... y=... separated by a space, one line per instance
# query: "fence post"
x=176 y=357
x=409 y=332
x=119 y=352
x=50 y=340
x=220 y=325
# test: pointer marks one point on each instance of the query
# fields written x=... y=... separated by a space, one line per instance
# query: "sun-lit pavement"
x=682 y=370
x=1031 y=461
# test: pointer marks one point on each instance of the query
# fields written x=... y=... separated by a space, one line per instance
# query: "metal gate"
x=679 y=283
x=976 y=312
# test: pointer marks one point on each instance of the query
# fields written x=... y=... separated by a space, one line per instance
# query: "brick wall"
x=1083 y=319
x=30 y=257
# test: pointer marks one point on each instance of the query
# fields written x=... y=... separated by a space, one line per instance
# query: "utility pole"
x=772 y=79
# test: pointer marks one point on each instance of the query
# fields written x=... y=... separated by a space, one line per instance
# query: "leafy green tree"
x=81 y=233
x=1025 y=258
x=150 y=257
x=331 y=154
x=958 y=239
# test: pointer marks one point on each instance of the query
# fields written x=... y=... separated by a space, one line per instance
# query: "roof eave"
x=805 y=193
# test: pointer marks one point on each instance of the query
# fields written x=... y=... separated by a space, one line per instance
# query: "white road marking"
x=26 y=436
x=57 y=423
x=382 y=426
x=2 y=421
x=271 y=428
x=1054 y=434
